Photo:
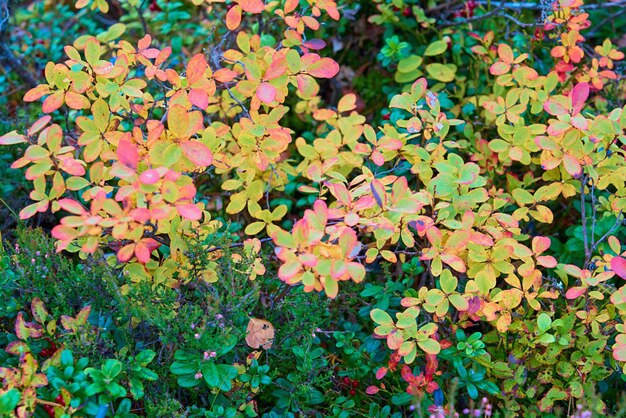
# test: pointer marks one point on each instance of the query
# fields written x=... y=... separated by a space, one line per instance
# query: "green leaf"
x=436 y=48
x=472 y=390
x=188 y=381
x=145 y=357
x=8 y=401
x=381 y=317
x=448 y=282
x=401 y=399
x=116 y=390
x=430 y=346
x=112 y=368
x=544 y=322
x=76 y=183
x=211 y=375
x=409 y=63
x=441 y=72
x=183 y=367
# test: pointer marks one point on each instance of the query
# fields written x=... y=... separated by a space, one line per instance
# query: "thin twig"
x=583 y=214
x=608 y=233
x=9 y=208
x=243 y=107
x=600 y=25
x=539 y=6
x=144 y=25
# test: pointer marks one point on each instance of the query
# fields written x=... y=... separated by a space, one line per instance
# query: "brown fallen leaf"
x=260 y=333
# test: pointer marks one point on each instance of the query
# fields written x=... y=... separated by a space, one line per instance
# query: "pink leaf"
x=575 y=292
x=547 y=261
x=39 y=125
x=579 y=95
x=63 y=233
x=150 y=176
x=323 y=68
x=372 y=390
x=618 y=265
x=266 y=92
x=72 y=206
x=144 y=248
x=189 y=211
x=199 y=98
x=314 y=44
x=127 y=153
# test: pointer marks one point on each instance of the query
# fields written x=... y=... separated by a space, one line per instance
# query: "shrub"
x=209 y=227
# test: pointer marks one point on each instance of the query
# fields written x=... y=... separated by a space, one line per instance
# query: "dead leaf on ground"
x=260 y=333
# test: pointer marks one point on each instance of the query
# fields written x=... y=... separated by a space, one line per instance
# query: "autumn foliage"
x=131 y=141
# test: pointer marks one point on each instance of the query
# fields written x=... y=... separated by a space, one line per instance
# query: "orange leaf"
x=252 y=6
x=76 y=101
x=125 y=253
x=224 y=75
x=233 y=18
x=36 y=93
x=53 y=102
x=196 y=68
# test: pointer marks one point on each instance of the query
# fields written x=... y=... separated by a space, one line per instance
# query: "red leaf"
x=198 y=153
x=127 y=153
x=266 y=93
x=618 y=265
x=323 y=68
